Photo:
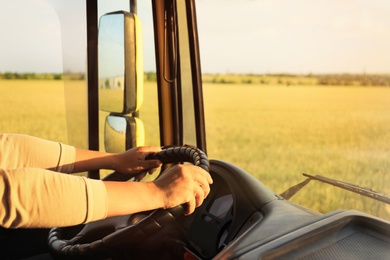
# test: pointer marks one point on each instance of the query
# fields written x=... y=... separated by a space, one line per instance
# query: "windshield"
x=300 y=87
x=289 y=88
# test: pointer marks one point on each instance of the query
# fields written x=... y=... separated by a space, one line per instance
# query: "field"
x=275 y=132
x=33 y=107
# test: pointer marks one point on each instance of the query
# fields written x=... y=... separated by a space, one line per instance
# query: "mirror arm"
x=133 y=6
x=170 y=39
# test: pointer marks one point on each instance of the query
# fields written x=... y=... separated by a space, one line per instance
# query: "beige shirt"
x=36 y=193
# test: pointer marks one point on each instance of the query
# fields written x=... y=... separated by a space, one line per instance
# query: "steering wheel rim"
x=170 y=154
x=123 y=231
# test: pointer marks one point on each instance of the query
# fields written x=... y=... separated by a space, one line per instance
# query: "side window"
x=31 y=84
x=149 y=110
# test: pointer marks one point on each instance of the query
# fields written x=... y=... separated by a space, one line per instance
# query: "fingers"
x=139 y=177
x=189 y=182
x=134 y=161
x=200 y=195
x=204 y=182
x=190 y=206
x=197 y=198
x=146 y=150
x=150 y=165
x=145 y=167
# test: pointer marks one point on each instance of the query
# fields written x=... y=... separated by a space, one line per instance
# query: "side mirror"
x=122 y=133
x=120 y=63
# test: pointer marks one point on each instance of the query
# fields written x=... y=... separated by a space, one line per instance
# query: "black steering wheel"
x=101 y=239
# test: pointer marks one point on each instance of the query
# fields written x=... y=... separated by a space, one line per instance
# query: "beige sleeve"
x=23 y=151
x=34 y=197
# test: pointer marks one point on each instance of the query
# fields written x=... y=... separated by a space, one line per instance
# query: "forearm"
x=131 y=197
x=52 y=199
x=132 y=161
x=24 y=151
x=87 y=160
x=49 y=199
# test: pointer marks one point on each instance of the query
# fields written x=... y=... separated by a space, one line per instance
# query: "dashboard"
x=242 y=219
x=225 y=212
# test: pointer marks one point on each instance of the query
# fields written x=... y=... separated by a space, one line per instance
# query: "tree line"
x=344 y=79
x=299 y=79
x=354 y=80
x=31 y=76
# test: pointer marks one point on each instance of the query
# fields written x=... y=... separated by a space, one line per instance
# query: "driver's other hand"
x=134 y=161
x=184 y=184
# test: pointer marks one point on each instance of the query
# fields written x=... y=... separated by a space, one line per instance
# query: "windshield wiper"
x=341 y=184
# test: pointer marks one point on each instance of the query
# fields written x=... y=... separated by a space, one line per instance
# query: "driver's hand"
x=184 y=184
x=134 y=161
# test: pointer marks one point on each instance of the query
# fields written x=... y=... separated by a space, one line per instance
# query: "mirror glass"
x=120 y=63
x=115 y=134
x=111 y=62
x=122 y=133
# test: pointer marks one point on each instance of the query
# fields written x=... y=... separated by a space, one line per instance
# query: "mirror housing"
x=122 y=133
x=120 y=63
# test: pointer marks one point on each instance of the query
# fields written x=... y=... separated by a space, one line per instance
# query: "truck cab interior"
x=242 y=218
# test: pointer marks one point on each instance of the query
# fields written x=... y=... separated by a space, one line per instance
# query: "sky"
x=236 y=36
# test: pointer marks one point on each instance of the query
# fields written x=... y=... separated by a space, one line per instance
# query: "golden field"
x=275 y=132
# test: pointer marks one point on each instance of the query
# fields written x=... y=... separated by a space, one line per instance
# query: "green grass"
x=274 y=132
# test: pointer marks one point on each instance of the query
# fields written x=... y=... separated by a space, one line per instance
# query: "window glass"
x=300 y=87
x=149 y=110
x=32 y=99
